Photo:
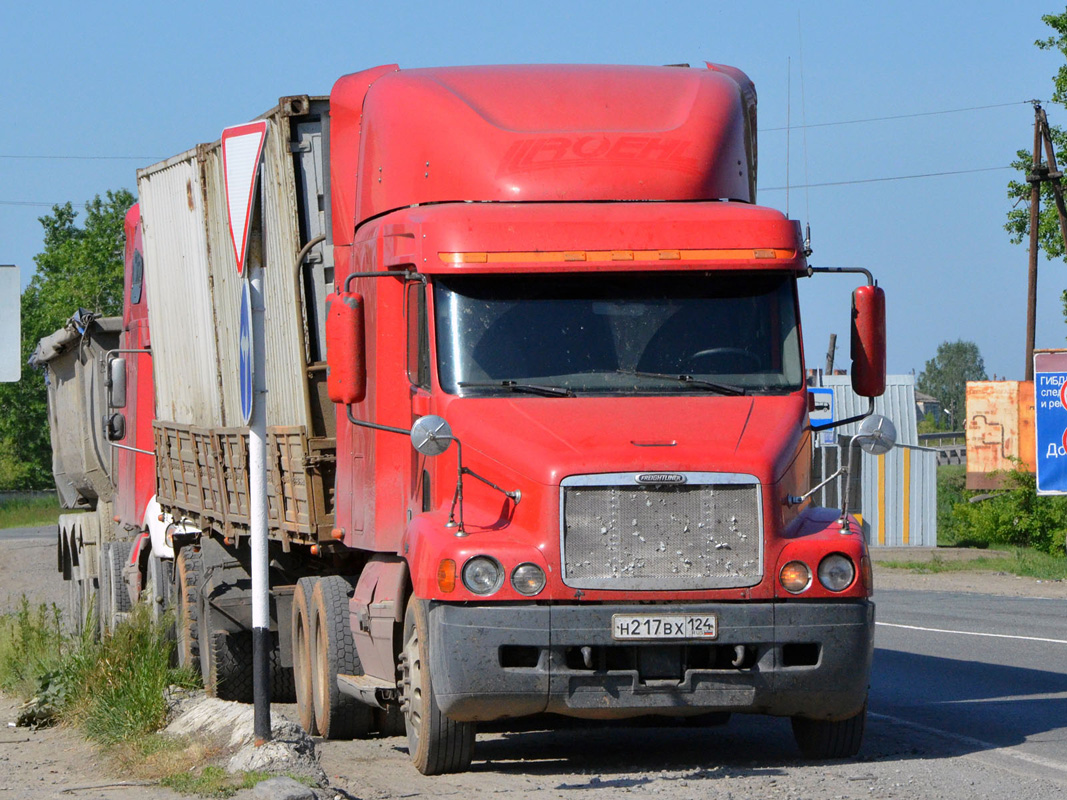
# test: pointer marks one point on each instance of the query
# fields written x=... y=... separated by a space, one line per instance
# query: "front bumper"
x=810 y=659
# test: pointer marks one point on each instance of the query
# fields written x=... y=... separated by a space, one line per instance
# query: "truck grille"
x=703 y=534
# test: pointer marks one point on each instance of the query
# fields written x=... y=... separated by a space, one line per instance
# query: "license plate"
x=664 y=626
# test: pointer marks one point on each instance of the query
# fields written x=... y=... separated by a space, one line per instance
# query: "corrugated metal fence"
x=897 y=492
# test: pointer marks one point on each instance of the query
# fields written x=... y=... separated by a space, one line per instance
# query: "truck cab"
x=584 y=298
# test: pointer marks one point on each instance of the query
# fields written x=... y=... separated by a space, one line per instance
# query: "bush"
x=951 y=490
x=1015 y=516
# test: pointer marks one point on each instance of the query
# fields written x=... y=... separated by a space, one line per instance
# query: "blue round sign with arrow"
x=246 y=349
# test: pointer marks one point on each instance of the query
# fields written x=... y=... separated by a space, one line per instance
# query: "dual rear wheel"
x=323 y=648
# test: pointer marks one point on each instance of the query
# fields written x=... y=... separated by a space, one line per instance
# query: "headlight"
x=795 y=577
x=528 y=579
x=836 y=572
x=483 y=575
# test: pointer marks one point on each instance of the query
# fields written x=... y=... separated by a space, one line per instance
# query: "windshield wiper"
x=721 y=388
x=515 y=386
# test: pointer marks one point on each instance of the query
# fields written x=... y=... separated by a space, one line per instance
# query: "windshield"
x=618 y=333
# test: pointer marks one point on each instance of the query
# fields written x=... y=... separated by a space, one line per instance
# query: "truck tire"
x=436 y=743
x=188 y=577
x=305 y=703
x=157 y=589
x=118 y=597
x=75 y=604
x=282 y=687
x=822 y=739
x=103 y=590
x=389 y=721
x=333 y=653
x=225 y=656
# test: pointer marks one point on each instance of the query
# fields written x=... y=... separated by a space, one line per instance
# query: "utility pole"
x=830 y=354
x=1035 y=177
x=1040 y=173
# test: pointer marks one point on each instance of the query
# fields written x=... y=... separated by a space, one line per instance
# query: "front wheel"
x=823 y=739
x=436 y=743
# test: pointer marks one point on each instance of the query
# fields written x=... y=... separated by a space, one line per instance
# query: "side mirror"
x=877 y=435
x=116 y=427
x=868 y=341
x=116 y=383
x=346 y=348
x=431 y=435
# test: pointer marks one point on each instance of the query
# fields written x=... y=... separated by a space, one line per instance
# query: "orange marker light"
x=446 y=575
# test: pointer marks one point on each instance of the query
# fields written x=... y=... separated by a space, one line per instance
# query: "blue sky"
x=149 y=80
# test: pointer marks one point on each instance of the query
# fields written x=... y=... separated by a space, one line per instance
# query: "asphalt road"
x=968 y=701
x=985 y=675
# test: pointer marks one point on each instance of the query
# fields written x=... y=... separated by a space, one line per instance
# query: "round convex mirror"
x=431 y=435
x=877 y=435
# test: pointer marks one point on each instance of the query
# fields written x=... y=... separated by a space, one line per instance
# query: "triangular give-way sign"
x=242 y=149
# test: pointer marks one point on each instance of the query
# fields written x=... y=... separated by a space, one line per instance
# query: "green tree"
x=80 y=267
x=945 y=377
x=1049 y=238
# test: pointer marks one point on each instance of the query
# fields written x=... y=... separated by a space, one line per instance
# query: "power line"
x=891 y=178
x=898 y=116
x=761 y=188
x=82 y=158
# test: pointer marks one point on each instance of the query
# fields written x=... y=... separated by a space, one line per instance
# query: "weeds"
x=29 y=512
x=213 y=782
x=32 y=646
x=114 y=691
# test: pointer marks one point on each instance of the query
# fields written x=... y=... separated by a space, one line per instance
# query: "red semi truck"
x=538 y=431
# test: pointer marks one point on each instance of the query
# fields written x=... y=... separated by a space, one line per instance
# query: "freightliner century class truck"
x=538 y=432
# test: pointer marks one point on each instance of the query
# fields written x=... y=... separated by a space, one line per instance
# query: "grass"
x=113 y=691
x=32 y=646
x=29 y=512
x=1025 y=562
x=213 y=781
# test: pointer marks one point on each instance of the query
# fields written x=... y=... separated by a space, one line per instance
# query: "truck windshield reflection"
x=724 y=333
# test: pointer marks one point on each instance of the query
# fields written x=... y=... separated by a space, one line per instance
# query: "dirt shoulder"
x=974 y=581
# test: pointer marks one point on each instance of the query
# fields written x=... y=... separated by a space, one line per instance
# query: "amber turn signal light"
x=446 y=575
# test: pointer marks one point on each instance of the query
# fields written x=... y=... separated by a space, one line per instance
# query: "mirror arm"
x=408 y=275
x=836 y=423
x=375 y=425
x=797 y=499
x=842 y=270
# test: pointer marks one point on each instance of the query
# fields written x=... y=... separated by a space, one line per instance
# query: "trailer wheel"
x=103 y=589
x=305 y=703
x=225 y=656
x=822 y=739
x=75 y=603
x=282 y=687
x=333 y=653
x=436 y=743
x=189 y=573
x=118 y=598
x=157 y=589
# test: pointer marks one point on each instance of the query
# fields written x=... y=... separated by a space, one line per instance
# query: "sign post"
x=1050 y=412
x=242 y=152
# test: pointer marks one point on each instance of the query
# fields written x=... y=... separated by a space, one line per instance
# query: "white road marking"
x=972 y=633
x=987 y=748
